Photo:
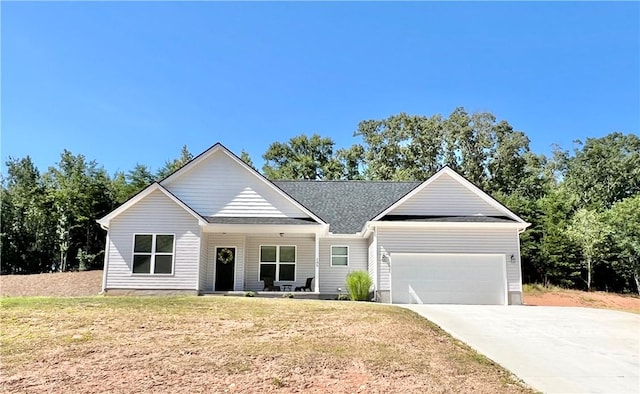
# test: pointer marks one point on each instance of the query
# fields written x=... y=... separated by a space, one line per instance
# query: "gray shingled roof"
x=346 y=205
x=258 y=220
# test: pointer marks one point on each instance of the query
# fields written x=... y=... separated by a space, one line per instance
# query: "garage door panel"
x=448 y=279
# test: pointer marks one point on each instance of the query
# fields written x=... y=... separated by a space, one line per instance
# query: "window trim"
x=332 y=255
x=278 y=262
x=153 y=255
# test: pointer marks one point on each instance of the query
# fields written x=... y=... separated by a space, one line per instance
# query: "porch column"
x=316 y=282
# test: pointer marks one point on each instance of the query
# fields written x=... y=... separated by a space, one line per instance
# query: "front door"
x=225 y=268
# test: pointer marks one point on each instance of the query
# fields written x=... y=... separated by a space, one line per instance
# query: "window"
x=153 y=254
x=339 y=256
x=278 y=262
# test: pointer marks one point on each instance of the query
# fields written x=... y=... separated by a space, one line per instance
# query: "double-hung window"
x=339 y=256
x=278 y=262
x=153 y=253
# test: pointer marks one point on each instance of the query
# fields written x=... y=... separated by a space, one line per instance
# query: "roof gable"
x=447 y=193
x=218 y=183
x=154 y=187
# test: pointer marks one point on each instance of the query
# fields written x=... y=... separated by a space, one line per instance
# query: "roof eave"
x=368 y=227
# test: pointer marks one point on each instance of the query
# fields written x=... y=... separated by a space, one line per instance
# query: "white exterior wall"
x=461 y=240
x=305 y=259
x=214 y=241
x=332 y=278
x=219 y=186
x=155 y=214
x=446 y=196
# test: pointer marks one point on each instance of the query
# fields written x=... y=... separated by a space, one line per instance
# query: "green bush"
x=358 y=285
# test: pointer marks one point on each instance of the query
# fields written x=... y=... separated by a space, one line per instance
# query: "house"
x=217 y=225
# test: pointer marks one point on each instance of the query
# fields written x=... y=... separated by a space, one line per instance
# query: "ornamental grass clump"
x=358 y=285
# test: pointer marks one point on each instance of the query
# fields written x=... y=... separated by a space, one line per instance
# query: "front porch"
x=299 y=295
x=254 y=260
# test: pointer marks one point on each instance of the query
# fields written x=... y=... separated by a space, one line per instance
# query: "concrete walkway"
x=553 y=349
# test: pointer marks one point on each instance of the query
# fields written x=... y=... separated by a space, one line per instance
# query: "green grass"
x=237 y=336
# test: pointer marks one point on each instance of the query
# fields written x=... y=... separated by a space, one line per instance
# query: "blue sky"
x=131 y=82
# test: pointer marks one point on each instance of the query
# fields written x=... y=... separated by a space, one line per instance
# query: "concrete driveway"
x=553 y=349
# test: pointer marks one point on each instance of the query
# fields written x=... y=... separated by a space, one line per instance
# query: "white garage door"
x=426 y=278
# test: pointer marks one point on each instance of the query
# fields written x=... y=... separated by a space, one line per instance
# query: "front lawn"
x=229 y=344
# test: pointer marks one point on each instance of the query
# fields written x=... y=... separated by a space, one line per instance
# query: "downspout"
x=375 y=264
x=316 y=287
x=106 y=260
x=521 y=300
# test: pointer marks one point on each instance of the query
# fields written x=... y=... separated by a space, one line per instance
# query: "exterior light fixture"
x=384 y=257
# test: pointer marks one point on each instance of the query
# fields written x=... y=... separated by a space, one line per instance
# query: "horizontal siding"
x=219 y=186
x=305 y=260
x=496 y=241
x=332 y=278
x=156 y=213
x=214 y=241
x=446 y=196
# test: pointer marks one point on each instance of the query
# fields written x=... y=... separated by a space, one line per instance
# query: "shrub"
x=358 y=285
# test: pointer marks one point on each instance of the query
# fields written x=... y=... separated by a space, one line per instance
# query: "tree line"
x=584 y=203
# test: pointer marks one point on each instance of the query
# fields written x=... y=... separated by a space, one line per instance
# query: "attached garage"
x=442 y=278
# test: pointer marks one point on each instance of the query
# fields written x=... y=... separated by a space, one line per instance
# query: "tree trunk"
x=588 y=274
x=637 y=279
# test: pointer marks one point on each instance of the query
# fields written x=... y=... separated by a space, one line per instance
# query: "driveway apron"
x=552 y=349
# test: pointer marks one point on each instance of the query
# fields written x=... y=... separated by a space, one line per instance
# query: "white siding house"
x=217 y=225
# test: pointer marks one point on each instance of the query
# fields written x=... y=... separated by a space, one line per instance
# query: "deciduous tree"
x=588 y=231
x=302 y=158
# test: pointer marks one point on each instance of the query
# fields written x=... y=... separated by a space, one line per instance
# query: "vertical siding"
x=446 y=196
x=219 y=241
x=219 y=186
x=332 y=278
x=156 y=213
x=496 y=241
x=305 y=260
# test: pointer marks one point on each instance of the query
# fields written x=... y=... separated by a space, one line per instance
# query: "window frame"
x=277 y=263
x=332 y=255
x=153 y=254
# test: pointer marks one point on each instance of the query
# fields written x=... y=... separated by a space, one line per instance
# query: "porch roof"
x=260 y=220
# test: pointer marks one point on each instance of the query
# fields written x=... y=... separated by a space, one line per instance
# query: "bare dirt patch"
x=71 y=284
x=233 y=344
x=595 y=299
